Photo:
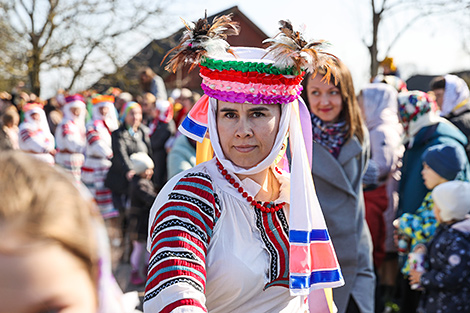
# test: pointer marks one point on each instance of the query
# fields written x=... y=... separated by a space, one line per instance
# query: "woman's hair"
x=42 y=205
x=351 y=111
x=147 y=71
x=438 y=82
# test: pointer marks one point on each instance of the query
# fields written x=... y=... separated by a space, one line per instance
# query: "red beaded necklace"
x=267 y=207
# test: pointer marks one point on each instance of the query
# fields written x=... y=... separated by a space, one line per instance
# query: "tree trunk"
x=33 y=72
x=373 y=51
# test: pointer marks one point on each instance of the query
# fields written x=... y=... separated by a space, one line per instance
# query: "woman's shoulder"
x=200 y=171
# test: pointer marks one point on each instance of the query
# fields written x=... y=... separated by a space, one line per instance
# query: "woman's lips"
x=244 y=148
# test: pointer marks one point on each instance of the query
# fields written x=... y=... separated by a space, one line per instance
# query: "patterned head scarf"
x=416 y=110
x=126 y=109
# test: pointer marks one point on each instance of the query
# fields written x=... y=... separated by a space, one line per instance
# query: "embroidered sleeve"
x=29 y=138
x=96 y=146
x=72 y=139
x=180 y=236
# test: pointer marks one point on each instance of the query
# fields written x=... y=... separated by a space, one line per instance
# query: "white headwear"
x=380 y=105
x=110 y=119
x=140 y=162
x=456 y=92
x=75 y=101
x=453 y=199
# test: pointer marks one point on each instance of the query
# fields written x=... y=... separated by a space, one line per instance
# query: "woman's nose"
x=244 y=128
x=324 y=99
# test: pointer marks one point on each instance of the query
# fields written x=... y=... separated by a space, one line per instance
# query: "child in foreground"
x=447 y=278
x=441 y=163
x=54 y=253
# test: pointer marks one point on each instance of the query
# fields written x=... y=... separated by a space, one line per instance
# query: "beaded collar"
x=267 y=207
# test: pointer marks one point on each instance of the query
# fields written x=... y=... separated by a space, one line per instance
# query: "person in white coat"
x=70 y=136
x=35 y=136
x=98 y=153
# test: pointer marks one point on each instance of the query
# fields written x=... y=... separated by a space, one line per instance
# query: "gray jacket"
x=338 y=183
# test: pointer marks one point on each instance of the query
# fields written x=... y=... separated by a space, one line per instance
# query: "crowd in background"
x=115 y=143
x=404 y=144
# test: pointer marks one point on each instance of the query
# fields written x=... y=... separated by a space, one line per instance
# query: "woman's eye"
x=315 y=93
x=335 y=92
x=258 y=114
x=230 y=115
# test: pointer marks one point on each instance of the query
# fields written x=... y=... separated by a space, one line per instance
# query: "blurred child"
x=441 y=163
x=54 y=255
x=447 y=280
x=142 y=195
x=10 y=121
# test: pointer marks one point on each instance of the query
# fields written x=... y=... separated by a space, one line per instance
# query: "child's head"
x=442 y=163
x=48 y=260
x=451 y=201
x=142 y=164
x=10 y=117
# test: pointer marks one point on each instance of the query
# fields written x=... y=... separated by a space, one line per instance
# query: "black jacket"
x=124 y=144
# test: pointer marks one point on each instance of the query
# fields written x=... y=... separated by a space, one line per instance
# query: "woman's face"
x=35 y=117
x=324 y=99
x=44 y=279
x=134 y=117
x=75 y=111
x=103 y=110
x=247 y=131
x=439 y=94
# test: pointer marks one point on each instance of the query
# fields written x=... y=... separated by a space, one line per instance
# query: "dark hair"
x=351 y=111
x=438 y=82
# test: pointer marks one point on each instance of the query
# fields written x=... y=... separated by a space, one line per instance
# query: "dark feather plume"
x=291 y=49
x=199 y=38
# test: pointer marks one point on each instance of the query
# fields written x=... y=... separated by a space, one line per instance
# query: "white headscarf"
x=34 y=124
x=68 y=116
x=380 y=103
x=268 y=161
x=110 y=119
x=456 y=93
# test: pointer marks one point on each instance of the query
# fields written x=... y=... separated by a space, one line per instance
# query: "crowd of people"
x=110 y=143
x=308 y=184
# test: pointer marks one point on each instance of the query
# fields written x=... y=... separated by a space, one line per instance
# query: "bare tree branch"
x=72 y=35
